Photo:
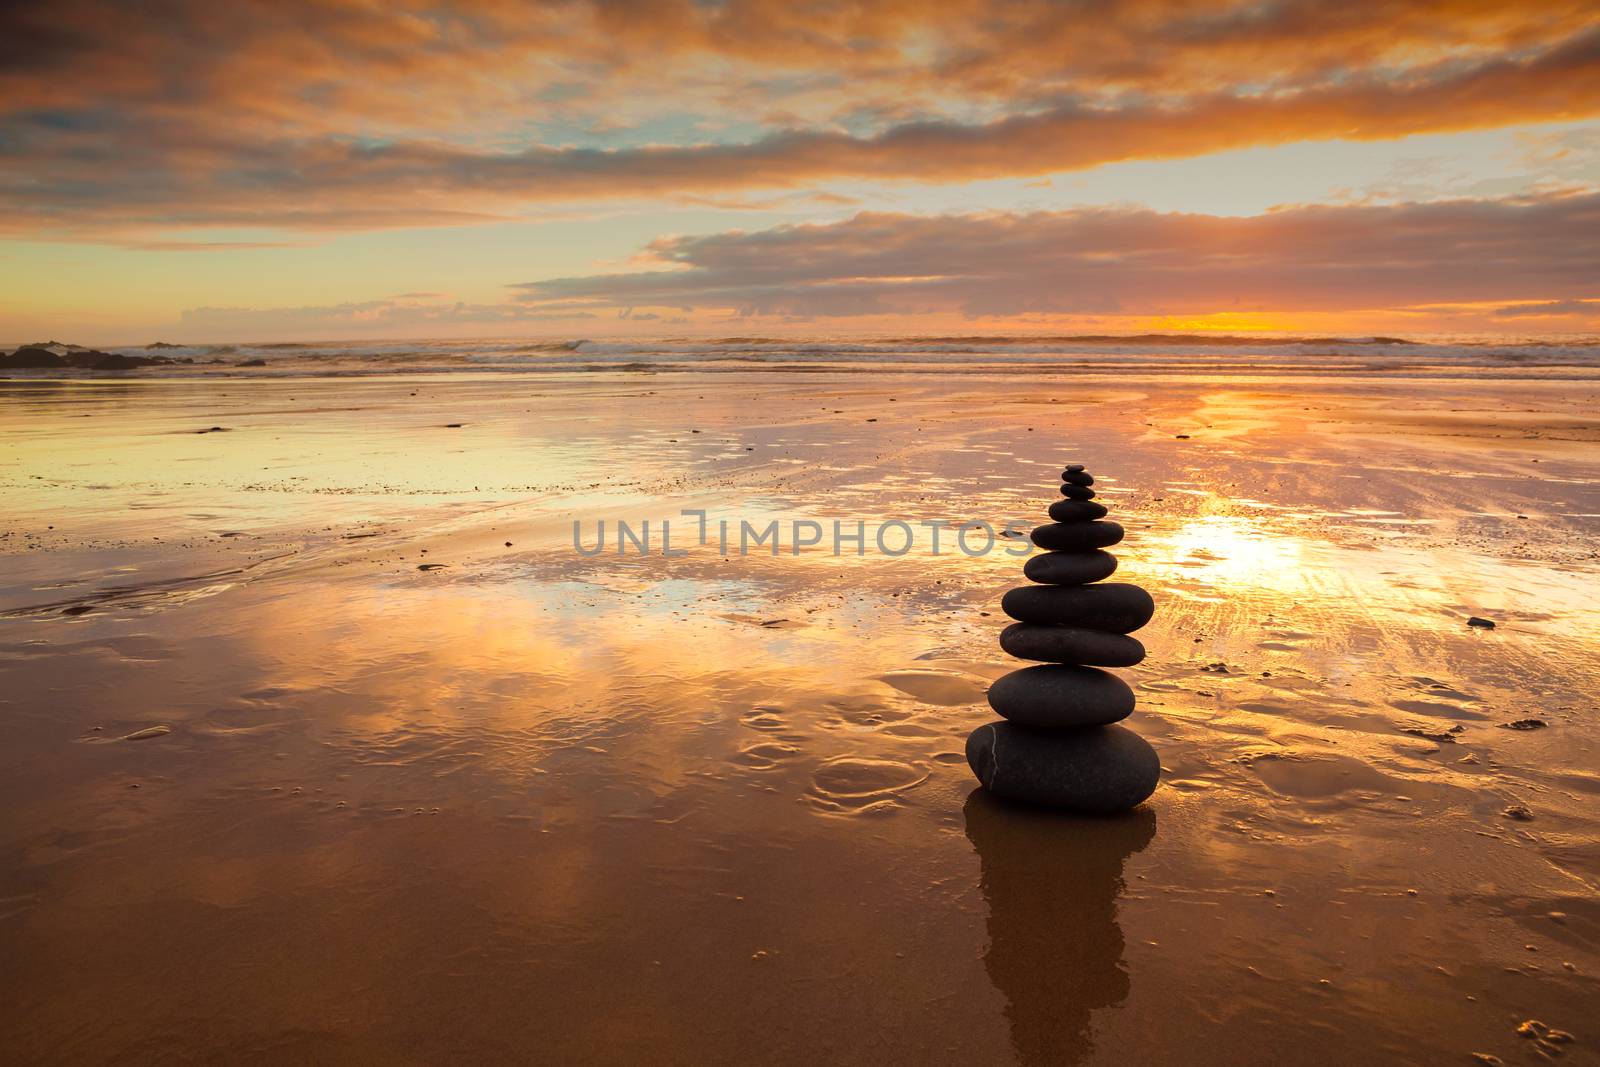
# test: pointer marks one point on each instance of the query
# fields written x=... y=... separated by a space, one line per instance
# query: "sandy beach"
x=273 y=792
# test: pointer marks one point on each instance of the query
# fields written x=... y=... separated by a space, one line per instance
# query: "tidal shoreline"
x=278 y=791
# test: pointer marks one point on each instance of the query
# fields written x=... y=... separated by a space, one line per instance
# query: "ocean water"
x=1553 y=356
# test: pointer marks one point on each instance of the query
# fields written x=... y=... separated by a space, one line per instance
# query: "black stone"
x=1078 y=477
x=1056 y=697
x=1076 y=492
x=1068 y=644
x=1076 y=511
x=1076 y=536
x=1100 y=771
x=1073 y=468
x=1113 y=608
x=1070 y=568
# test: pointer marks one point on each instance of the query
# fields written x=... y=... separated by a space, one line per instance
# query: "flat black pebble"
x=1057 y=696
x=1073 y=468
x=1070 y=568
x=1076 y=536
x=1068 y=644
x=1076 y=492
x=1078 y=477
x=1076 y=511
x=1101 y=770
x=1113 y=607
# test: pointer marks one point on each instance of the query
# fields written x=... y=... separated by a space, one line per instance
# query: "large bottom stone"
x=1100 y=770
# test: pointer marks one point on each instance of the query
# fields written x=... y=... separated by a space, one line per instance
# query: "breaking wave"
x=1567 y=356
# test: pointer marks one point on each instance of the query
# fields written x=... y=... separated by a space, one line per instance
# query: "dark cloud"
x=1551 y=308
x=119 y=119
x=1121 y=262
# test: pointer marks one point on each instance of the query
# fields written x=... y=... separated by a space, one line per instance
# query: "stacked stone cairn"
x=1056 y=745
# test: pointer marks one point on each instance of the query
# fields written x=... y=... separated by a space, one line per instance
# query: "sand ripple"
x=857 y=783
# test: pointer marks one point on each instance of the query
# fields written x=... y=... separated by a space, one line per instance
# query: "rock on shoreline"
x=54 y=355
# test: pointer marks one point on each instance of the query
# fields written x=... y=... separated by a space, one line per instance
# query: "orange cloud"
x=313 y=114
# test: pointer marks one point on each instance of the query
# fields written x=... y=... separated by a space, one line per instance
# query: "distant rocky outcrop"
x=117 y=361
x=31 y=357
x=50 y=355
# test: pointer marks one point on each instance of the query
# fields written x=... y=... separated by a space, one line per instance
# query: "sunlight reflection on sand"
x=530 y=794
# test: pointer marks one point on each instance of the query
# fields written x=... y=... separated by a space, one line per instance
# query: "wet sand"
x=269 y=792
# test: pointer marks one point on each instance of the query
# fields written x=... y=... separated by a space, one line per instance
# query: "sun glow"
x=1224 y=322
x=1236 y=553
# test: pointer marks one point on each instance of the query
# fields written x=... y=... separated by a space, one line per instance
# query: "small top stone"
x=1074 y=468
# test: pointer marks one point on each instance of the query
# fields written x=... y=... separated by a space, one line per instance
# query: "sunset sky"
x=187 y=170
